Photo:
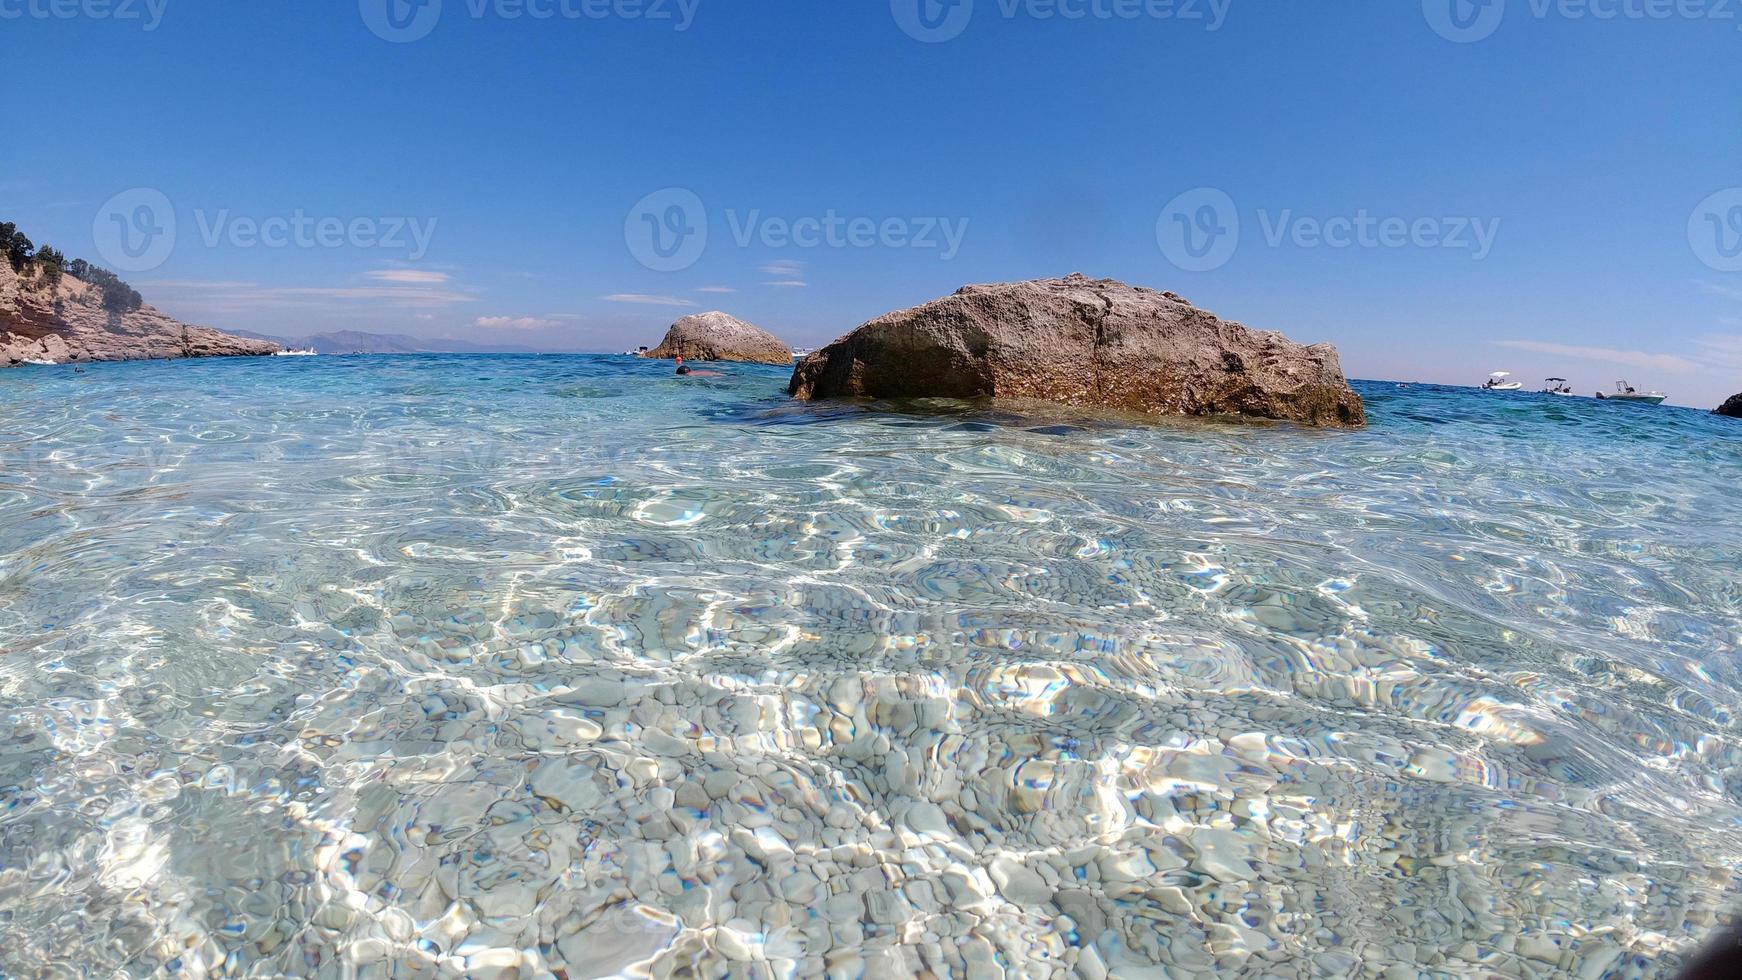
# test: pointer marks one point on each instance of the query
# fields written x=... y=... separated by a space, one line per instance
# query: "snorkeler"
x=683 y=370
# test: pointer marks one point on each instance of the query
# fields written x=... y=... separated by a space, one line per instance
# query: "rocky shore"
x=67 y=321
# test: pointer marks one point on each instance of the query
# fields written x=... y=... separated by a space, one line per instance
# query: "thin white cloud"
x=219 y=297
x=194 y=284
x=716 y=289
x=647 y=300
x=395 y=295
x=1720 y=289
x=788 y=283
x=1607 y=355
x=784 y=268
x=1722 y=350
x=513 y=323
x=420 y=276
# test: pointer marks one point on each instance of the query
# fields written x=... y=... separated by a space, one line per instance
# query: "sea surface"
x=563 y=666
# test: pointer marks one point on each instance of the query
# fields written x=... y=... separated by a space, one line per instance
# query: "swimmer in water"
x=684 y=371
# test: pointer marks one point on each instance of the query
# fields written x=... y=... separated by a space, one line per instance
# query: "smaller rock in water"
x=1732 y=408
x=720 y=337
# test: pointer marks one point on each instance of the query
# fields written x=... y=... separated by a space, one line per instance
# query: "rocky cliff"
x=67 y=322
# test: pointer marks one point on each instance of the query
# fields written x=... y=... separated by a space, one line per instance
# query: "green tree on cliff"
x=50 y=264
x=18 y=248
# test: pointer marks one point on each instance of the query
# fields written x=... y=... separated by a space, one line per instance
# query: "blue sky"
x=1541 y=192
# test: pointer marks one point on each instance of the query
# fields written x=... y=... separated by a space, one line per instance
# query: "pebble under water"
x=563 y=666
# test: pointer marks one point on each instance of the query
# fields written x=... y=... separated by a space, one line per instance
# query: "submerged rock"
x=1082 y=341
x=1732 y=408
x=720 y=337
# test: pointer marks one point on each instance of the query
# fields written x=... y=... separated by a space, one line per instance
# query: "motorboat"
x=1499 y=381
x=1557 y=386
x=311 y=352
x=1625 y=392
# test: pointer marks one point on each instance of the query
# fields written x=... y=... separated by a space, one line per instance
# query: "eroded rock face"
x=1082 y=341
x=719 y=337
x=1732 y=408
x=69 y=323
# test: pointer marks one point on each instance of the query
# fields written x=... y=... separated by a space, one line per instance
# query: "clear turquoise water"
x=441 y=666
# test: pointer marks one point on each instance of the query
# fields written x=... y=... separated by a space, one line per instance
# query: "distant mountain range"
x=358 y=342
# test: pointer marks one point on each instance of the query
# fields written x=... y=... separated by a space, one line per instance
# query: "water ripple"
x=462 y=666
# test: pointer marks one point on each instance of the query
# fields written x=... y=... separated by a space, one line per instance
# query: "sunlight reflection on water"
x=460 y=665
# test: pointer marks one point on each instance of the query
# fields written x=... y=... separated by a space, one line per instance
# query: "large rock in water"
x=1732 y=408
x=1084 y=341
x=69 y=323
x=719 y=337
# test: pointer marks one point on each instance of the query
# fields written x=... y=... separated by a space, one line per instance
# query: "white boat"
x=1625 y=392
x=1498 y=382
x=39 y=362
x=1557 y=386
x=311 y=352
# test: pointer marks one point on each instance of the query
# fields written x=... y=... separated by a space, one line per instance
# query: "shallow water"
x=445 y=665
